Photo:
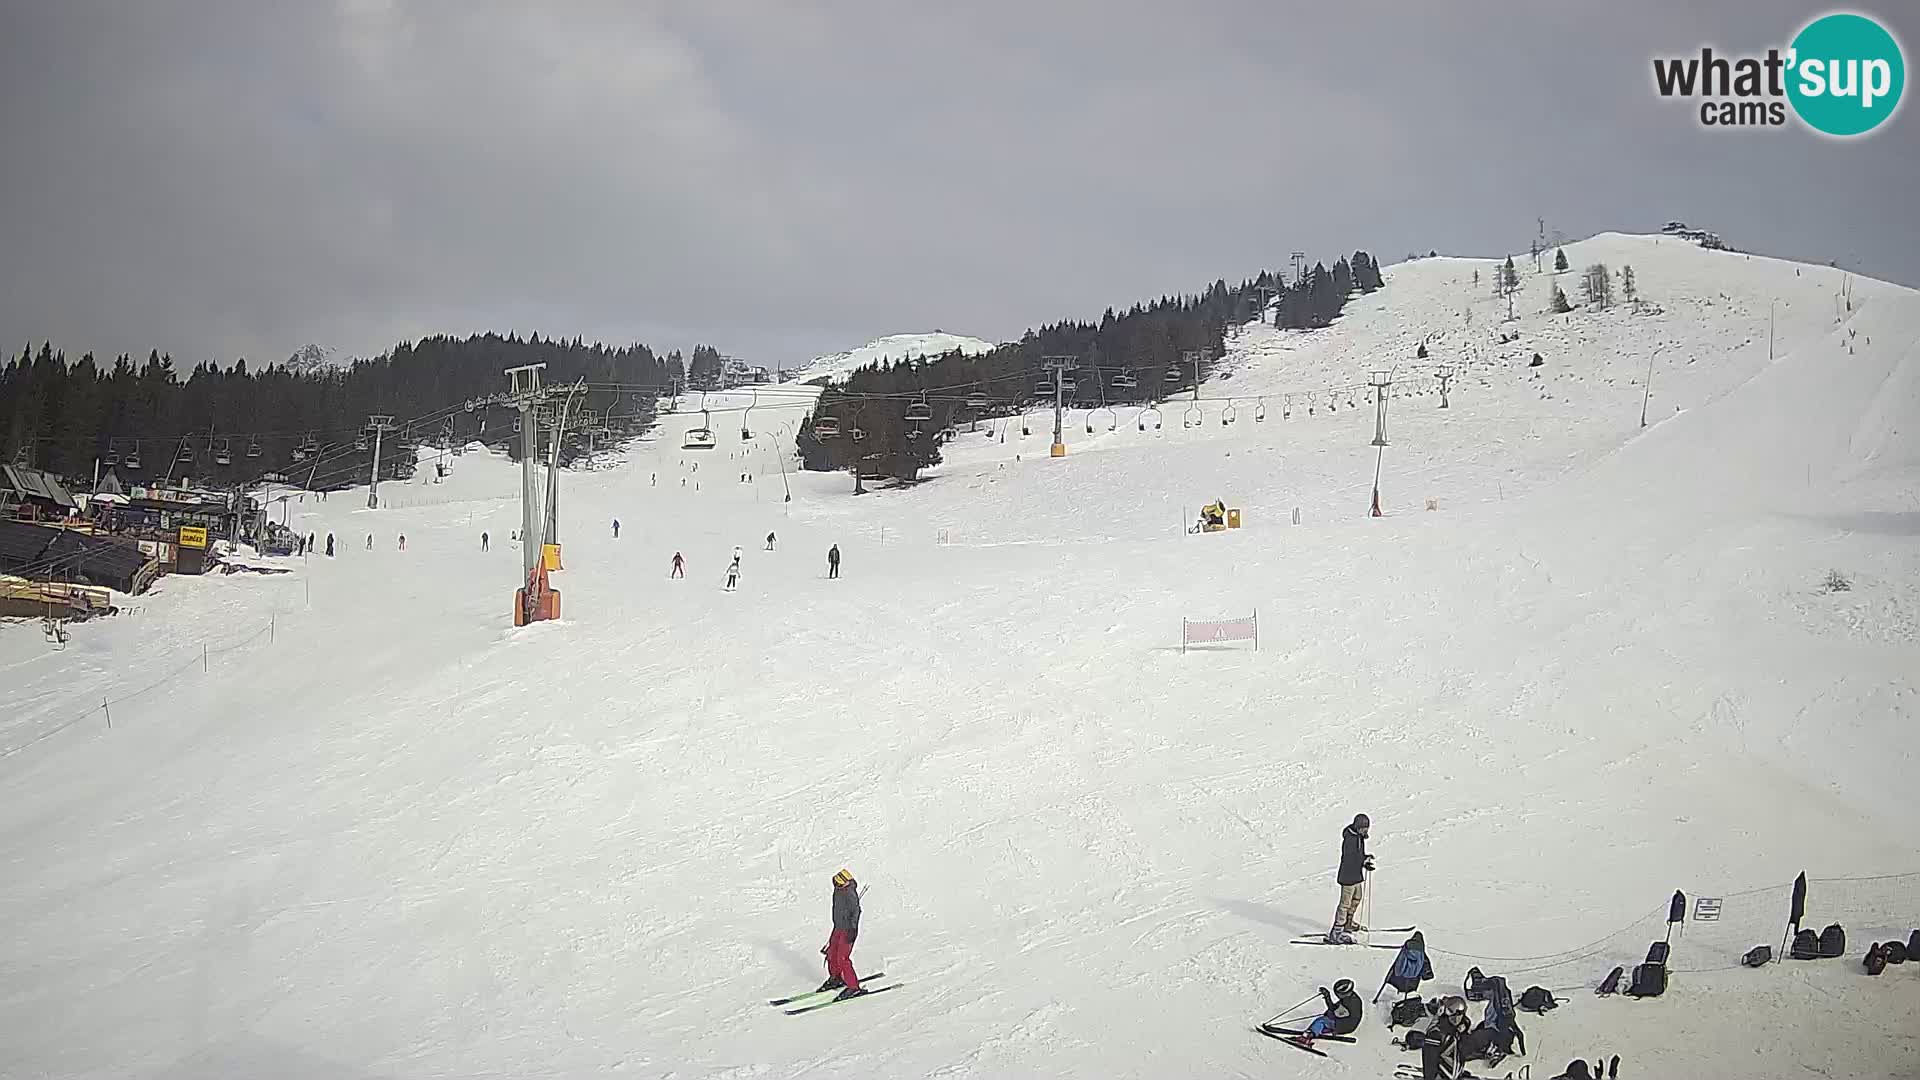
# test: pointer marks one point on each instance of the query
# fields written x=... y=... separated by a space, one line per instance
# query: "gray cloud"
x=228 y=179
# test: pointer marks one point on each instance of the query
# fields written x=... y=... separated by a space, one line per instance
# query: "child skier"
x=839 y=946
x=1343 y=1011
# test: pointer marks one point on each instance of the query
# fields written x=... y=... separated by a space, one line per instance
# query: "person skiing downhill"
x=733 y=571
x=1355 y=863
x=616 y=528
x=769 y=541
x=679 y=566
x=846 y=928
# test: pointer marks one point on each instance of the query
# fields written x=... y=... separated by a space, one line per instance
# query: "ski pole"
x=1369 y=906
x=1283 y=1014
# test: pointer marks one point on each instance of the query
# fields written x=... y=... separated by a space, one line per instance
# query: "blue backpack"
x=1411 y=966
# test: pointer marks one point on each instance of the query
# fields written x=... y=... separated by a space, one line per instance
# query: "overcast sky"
x=786 y=177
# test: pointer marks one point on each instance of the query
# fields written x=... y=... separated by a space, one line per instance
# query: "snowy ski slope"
x=889 y=349
x=396 y=837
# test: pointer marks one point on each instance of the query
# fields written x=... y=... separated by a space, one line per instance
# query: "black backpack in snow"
x=1758 y=956
x=1896 y=952
x=1806 y=946
x=1649 y=980
x=1876 y=959
x=1833 y=941
x=1610 y=984
x=1538 y=999
x=1476 y=987
x=1409 y=1010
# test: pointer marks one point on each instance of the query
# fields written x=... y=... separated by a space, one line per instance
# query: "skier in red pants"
x=839 y=946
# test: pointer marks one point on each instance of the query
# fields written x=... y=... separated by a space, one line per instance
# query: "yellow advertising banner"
x=193 y=536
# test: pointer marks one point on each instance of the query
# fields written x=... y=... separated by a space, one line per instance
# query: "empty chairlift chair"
x=826 y=427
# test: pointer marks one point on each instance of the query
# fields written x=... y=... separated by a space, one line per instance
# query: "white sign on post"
x=1706 y=909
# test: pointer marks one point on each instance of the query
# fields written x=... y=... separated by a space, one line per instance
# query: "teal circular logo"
x=1846 y=74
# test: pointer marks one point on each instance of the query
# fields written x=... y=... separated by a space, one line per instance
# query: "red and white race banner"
x=1207 y=631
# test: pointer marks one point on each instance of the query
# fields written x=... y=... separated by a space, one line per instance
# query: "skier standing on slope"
x=679 y=566
x=483 y=542
x=839 y=946
x=329 y=545
x=733 y=571
x=1355 y=863
x=833 y=562
x=616 y=528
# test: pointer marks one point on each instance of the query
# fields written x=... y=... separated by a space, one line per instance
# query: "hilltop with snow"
x=888 y=350
x=1578 y=664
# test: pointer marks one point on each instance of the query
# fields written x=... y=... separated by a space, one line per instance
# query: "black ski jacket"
x=846 y=911
x=1344 y=1011
x=1353 y=857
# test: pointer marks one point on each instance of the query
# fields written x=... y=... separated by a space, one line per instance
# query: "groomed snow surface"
x=389 y=835
x=891 y=349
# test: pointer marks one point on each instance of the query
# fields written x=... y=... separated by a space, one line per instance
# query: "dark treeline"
x=1142 y=355
x=301 y=419
x=1316 y=299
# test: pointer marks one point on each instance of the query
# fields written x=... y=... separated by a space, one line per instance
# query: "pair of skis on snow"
x=1299 y=1039
x=1321 y=940
x=820 y=999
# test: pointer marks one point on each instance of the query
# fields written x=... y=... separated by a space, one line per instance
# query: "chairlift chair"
x=1259 y=411
x=1193 y=417
x=133 y=458
x=1068 y=385
x=700 y=438
x=185 y=454
x=919 y=412
x=826 y=427
x=1125 y=381
x=977 y=400
x=1229 y=414
x=360 y=441
x=1044 y=388
x=112 y=458
x=253 y=448
x=857 y=434
x=1144 y=413
x=1173 y=375
x=223 y=453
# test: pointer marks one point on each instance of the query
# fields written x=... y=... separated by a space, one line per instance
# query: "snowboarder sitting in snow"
x=839 y=946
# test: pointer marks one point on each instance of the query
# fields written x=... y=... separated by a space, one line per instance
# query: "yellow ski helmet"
x=842 y=879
